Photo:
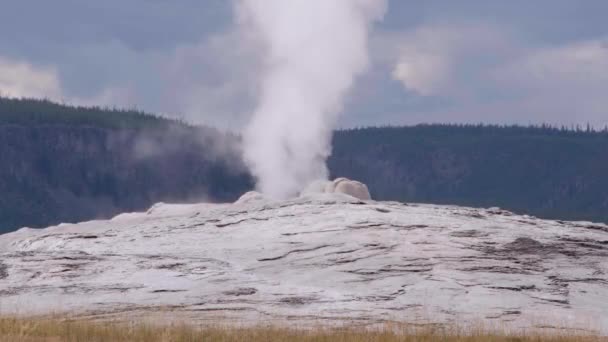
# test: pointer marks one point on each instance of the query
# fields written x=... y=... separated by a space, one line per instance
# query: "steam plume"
x=313 y=50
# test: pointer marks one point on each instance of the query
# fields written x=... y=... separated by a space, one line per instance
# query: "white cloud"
x=211 y=81
x=580 y=64
x=489 y=74
x=21 y=79
x=445 y=73
x=423 y=60
x=430 y=58
x=420 y=72
x=566 y=83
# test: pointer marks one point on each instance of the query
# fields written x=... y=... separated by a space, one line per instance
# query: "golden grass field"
x=55 y=330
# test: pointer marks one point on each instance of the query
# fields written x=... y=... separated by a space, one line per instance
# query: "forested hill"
x=65 y=164
x=543 y=171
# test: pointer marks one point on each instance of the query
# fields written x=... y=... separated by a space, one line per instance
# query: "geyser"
x=313 y=51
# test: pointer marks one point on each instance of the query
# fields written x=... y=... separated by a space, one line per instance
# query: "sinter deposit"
x=324 y=257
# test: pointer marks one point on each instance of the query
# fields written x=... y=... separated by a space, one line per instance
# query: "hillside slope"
x=550 y=173
x=67 y=165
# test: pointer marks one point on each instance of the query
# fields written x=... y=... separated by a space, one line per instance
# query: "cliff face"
x=65 y=173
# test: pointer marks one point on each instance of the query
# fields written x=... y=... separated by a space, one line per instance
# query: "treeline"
x=490 y=129
x=540 y=170
x=41 y=111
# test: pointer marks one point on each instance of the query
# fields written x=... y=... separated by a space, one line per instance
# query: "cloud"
x=421 y=72
x=433 y=61
x=565 y=83
x=210 y=81
x=176 y=59
x=491 y=74
x=580 y=64
x=21 y=79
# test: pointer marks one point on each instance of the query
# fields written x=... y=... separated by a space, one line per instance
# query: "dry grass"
x=46 y=330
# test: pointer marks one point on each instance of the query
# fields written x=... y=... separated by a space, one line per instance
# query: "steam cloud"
x=313 y=51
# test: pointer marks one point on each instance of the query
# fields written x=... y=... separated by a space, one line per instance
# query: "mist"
x=312 y=52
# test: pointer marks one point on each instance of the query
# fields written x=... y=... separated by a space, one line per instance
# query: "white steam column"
x=313 y=50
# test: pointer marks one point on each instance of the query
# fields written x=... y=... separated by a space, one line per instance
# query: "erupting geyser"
x=313 y=50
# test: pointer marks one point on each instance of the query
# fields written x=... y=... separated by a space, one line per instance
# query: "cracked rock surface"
x=318 y=258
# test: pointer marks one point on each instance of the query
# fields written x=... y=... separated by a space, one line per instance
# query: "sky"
x=466 y=61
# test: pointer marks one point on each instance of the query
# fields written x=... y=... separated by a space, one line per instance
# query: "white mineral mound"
x=325 y=257
x=339 y=186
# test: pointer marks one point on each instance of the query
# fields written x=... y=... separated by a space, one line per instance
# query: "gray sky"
x=494 y=61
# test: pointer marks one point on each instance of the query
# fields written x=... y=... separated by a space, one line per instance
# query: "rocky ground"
x=318 y=258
